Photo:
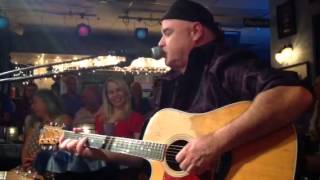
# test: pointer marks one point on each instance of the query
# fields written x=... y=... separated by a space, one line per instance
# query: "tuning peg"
x=51 y=123
x=56 y=124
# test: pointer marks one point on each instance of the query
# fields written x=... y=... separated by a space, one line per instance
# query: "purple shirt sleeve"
x=244 y=76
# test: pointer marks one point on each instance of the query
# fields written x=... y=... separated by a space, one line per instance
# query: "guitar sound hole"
x=171 y=153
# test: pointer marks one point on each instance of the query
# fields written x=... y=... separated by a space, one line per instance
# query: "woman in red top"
x=116 y=117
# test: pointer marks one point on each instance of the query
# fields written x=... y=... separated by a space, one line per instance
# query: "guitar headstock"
x=50 y=135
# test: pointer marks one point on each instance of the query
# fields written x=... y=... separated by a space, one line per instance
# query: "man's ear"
x=197 y=31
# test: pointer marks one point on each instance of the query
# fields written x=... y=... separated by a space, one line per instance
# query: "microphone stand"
x=49 y=74
x=45 y=65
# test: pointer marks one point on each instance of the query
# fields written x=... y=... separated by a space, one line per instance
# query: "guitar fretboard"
x=144 y=149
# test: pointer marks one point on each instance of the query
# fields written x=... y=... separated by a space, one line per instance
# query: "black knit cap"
x=191 y=11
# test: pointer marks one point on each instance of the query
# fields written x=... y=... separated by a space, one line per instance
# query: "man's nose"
x=161 y=42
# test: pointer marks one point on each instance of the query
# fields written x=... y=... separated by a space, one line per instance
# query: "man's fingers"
x=77 y=130
x=71 y=146
x=81 y=145
x=182 y=154
x=63 y=144
x=190 y=169
x=184 y=164
x=27 y=159
x=61 y=139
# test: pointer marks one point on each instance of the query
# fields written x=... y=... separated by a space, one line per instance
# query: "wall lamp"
x=285 y=54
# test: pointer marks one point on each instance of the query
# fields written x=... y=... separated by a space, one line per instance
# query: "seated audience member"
x=71 y=100
x=91 y=98
x=139 y=103
x=116 y=111
x=7 y=107
x=155 y=90
x=117 y=118
x=23 y=106
x=56 y=86
x=47 y=108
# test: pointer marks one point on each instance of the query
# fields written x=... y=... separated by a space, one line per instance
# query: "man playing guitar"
x=205 y=76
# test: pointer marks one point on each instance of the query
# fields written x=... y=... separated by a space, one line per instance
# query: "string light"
x=100 y=61
x=147 y=66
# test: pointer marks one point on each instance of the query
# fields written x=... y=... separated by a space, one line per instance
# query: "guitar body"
x=268 y=158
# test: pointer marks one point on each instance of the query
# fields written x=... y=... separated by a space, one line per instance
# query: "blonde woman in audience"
x=116 y=118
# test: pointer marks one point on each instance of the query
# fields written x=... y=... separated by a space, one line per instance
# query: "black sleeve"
x=244 y=76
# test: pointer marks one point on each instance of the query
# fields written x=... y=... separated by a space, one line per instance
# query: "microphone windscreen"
x=157 y=52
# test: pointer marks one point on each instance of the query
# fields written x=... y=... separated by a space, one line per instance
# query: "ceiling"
x=103 y=15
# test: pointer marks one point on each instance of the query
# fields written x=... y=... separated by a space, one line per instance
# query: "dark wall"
x=5 y=49
x=316 y=35
x=45 y=40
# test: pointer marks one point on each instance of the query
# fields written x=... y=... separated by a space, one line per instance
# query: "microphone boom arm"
x=24 y=78
x=45 y=65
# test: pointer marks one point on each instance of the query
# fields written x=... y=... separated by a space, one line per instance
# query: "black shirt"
x=215 y=78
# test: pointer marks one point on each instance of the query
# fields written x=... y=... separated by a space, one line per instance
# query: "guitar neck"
x=134 y=147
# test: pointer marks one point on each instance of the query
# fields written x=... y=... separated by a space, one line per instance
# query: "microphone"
x=155 y=52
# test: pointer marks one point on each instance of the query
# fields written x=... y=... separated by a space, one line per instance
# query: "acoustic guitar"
x=268 y=158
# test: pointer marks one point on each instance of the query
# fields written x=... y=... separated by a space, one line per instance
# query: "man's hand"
x=27 y=162
x=79 y=147
x=199 y=155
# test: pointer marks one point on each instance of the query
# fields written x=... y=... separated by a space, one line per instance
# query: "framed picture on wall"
x=286 y=19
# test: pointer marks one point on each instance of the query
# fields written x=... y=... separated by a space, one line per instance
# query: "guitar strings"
x=173 y=150
x=74 y=135
x=103 y=137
